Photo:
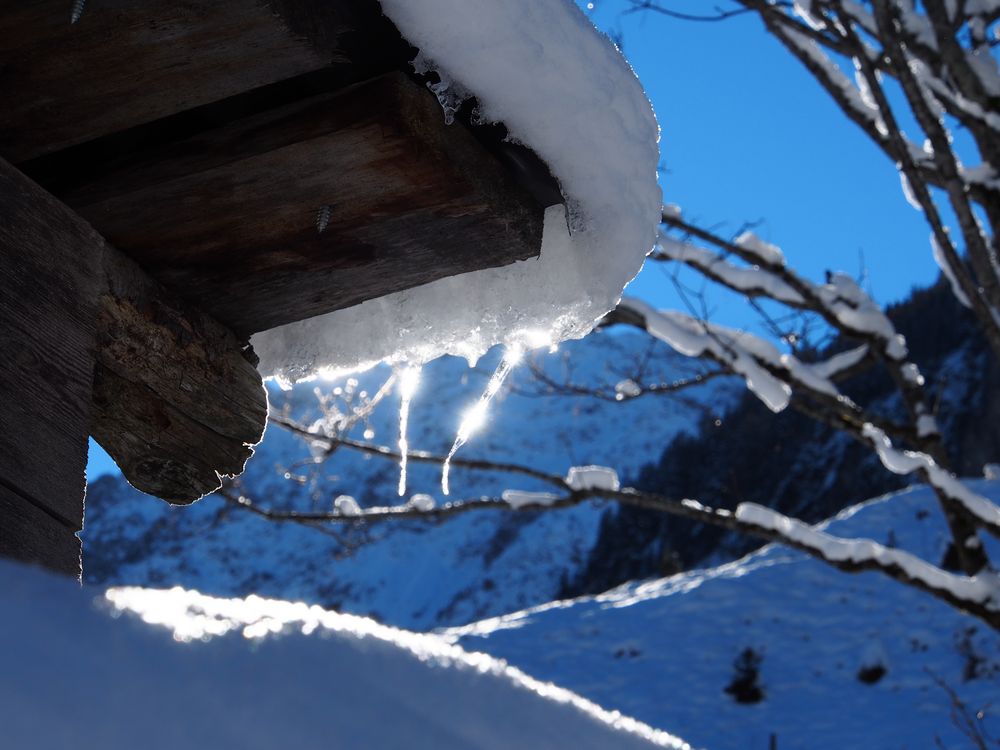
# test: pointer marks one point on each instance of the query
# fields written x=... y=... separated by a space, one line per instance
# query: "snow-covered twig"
x=782 y=379
x=334 y=442
x=772 y=376
x=977 y=595
x=626 y=389
x=943 y=481
x=981 y=591
x=941 y=72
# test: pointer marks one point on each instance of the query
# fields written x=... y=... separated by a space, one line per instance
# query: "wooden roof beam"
x=177 y=401
x=92 y=345
x=204 y=138
x=126 y=63
x=228 y=217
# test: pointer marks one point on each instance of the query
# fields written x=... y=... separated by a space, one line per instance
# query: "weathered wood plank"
x=126 y=63
x=50 y=261
x=31 y=535
x=177 y=400
x=192 y=136
x=228 y=217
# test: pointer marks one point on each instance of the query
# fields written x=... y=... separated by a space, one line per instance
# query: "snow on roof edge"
x=563 y=89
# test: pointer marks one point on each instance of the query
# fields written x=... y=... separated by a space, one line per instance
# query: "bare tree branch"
x=896 y=564
x=334 y=442
x=771 y=278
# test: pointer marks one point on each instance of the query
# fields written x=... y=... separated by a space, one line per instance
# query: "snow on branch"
x=752 y=281
x=982 y=590
x=592 y=478
x=769 y=374
x=909 y=462
x=730 y=348
x=938 y=89
x=517 y=499
x=949 y=273
x=840 y=301
x=941 y=55
x=851 y=98
x=978 y=595
x=840 y=363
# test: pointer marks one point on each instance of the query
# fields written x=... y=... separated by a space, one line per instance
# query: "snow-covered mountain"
x=715 y=443
x=843 y=661
x=798 y=465
x=413 y=574
x=833 y=661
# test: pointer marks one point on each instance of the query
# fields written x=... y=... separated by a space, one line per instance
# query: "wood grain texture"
x=50 y=261
x=227 y=218
x=125 y=63
x=202 y=137
x=177 y=400
x=31 y=535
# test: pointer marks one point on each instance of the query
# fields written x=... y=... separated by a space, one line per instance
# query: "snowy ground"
x=84 y=670
x=663 y=650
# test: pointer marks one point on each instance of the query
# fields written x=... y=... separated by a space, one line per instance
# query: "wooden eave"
x=204 y=138
x=176 y=175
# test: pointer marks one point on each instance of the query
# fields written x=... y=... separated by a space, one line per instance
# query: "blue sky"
x=748 y=136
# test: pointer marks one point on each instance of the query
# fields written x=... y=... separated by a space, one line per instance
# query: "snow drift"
x=257 y=673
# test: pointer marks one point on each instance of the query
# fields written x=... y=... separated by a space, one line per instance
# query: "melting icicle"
x=409 y=379
x=476 y=416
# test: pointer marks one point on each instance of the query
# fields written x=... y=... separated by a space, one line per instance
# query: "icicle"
x=77 y=10
x=476 y=416
x=409 y=379
x=322 y=216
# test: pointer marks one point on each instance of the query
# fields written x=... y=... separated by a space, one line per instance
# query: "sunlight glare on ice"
x=409 y=379
x=475 y=418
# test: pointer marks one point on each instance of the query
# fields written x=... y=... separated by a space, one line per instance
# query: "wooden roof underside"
x=203 y=137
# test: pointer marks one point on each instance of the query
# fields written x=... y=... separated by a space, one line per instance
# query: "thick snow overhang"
x=562 y=90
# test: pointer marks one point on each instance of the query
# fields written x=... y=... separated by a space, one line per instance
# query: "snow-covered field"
x=148 y=669
x=844 y=662
x=664 y=650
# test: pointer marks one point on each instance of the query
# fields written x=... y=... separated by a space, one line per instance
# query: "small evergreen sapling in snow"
x=873 y=664
x=871 y=673
x=976 y=663
x=745 y=686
